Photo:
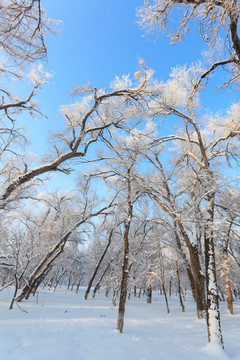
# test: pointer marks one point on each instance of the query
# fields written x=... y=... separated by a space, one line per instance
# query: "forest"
x=155 y=204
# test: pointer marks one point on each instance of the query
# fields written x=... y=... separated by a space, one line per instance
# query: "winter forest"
x=146 y=235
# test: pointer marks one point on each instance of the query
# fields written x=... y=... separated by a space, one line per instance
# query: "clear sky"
x=98 y=40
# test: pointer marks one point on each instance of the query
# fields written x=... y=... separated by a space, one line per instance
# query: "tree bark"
x=97 y=286
x=179 y=289
x=124 y=281
x=79 y=282
x=198 y=277
x=125 y=267
x=140 y=292
x=98 y=265
x=165 y=296
x=15 y=292
x=229 y=296
x=213 y=313
x=149 y=294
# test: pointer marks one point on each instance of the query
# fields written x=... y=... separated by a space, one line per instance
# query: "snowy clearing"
x=62 y=325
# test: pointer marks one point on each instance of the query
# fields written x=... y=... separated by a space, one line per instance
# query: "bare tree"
x=67 y=222
x=213 y=16
x=110 y=235
x=125 y=265
x=158 y=188
x=87 y=120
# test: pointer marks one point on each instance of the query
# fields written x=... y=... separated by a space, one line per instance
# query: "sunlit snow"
x=62 y=325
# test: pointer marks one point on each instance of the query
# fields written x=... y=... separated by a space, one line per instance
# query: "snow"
x=214 y=350
x=62 y=325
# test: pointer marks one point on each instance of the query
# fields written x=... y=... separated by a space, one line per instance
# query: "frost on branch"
x=38 y=76
x=75 y=112
x=213 y=17
x=231 y=123
x=226 y=131
x=82 y=90
x=23 y=25
x=127 y=101
x=176 y=92
x=180 y=84
x=121 y=82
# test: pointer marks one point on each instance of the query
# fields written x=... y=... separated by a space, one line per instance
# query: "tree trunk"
x=97 y=286
x=229 y=296
x=125 y=268
x=179 y=288
x=123 y=290
x=213 y=313
x=197 y=280
x=165 y=295
x=69 y=279
x=200 y=301
x=60 y=277
x=79 y=282
x=98 y=265
x=15 y=292
x=140 y=291
x=73 y=284
x=170 y=287
x=149 y=294
x=49 y=287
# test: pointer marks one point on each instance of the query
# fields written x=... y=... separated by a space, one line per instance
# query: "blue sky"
x=98 y=40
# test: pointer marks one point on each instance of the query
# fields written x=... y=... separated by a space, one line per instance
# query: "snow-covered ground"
x=64 y=326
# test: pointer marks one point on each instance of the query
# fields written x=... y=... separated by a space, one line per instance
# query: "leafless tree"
x=213 y=17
